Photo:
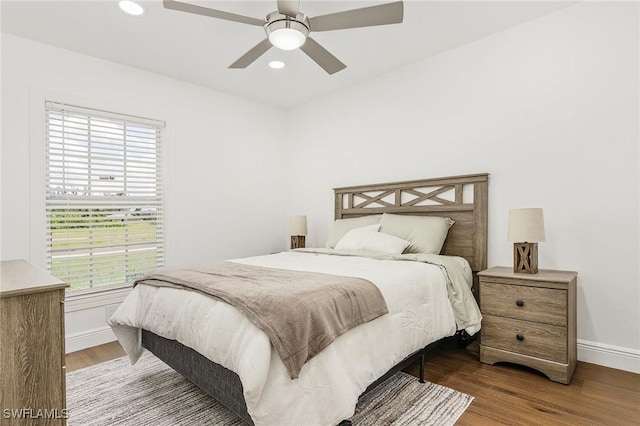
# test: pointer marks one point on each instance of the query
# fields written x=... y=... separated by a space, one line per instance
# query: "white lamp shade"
x=526 y=226
x=298 y=225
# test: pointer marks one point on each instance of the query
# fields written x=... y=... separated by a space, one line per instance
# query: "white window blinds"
x=103 y=198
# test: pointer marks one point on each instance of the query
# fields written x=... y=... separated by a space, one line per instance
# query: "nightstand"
x=530 y=319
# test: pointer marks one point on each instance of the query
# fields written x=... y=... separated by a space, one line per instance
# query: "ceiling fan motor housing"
x=285 y=32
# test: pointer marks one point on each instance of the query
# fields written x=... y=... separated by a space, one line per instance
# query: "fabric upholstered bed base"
x=223 y=384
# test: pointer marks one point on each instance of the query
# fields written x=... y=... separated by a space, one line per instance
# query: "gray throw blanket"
x=300 y=312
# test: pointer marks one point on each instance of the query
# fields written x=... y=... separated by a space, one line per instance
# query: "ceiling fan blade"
x=321 y=56
x=253 y=54
x=383 y=14
x=213 y=13
x=288 y=7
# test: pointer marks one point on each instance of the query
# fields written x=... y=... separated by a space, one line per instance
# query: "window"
x=103 y=197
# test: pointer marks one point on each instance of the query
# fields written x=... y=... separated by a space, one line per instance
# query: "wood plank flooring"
x=505 y=394
x=95 y=355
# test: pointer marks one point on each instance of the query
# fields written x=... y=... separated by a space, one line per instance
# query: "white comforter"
x=330 y=383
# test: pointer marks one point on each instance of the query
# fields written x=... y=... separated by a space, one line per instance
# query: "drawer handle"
x=520 y=302
x=520 y=337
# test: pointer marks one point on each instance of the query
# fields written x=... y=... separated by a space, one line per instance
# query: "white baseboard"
x=609 y=356
x=88 y=339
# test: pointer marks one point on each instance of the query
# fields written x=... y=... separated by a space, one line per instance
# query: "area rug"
x=151 y=393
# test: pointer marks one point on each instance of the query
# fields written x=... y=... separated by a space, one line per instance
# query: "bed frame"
x=461 y=198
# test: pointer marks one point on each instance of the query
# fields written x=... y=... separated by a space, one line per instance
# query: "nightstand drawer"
x=524 y=337
x=538 y=304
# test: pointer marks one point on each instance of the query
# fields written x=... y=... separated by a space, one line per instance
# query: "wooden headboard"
x=461 y=198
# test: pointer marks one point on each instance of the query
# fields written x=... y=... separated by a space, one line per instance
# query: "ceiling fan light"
x=285 y=32
x=287 y=38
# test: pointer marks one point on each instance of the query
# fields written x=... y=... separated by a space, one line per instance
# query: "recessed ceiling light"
x=131 y=7
x=276 y=65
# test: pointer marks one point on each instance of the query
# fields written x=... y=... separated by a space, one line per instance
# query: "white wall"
x=224 y=164
x=550 y=109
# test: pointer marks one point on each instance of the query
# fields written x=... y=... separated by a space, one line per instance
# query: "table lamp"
x=526 y=230
x=297 y=231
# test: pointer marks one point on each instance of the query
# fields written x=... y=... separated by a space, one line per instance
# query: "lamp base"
x=525 y=258
x=297 y=241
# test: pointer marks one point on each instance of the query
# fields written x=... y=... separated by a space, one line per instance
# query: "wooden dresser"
x=32 y=354
x=530 y=319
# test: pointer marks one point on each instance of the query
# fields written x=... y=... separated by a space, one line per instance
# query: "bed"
x=235 y=368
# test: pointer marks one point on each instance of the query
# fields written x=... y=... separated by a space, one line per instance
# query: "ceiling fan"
x=289 y=29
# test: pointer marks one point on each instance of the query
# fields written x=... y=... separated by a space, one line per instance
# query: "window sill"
x=94 y=300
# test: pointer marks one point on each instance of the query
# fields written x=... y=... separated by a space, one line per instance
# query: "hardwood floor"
x=513 y=395
x=95 y=355
x=504 y=394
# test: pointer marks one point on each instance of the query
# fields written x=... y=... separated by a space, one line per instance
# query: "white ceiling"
x=198 y=49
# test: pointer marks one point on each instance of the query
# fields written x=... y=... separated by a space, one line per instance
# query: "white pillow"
x=342 y=226
x=354 y=238
x=384 y=243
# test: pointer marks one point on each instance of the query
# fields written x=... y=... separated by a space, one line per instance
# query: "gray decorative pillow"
x=342 y=226
x=425 y=233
